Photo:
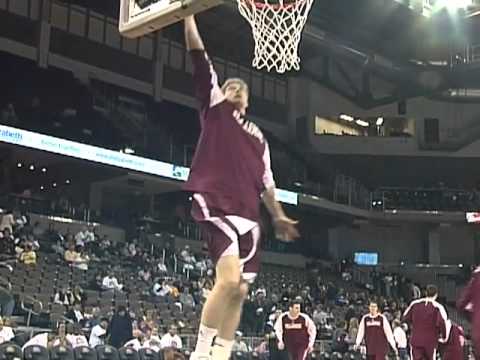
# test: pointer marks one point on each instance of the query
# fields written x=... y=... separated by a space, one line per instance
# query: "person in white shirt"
x=75 y=336
x=98 y=333
x=6 y=333
x=135 y=343
x=42 y=339
x=110 y=282
x=171 y=339
x=7 y=221
x=400 y=337
x=239 y=345
x=153 y=341
x=161 y=288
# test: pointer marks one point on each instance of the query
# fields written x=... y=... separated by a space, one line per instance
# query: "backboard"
x=140 y=17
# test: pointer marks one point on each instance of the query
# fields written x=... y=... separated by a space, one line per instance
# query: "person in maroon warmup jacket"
x=429 y=323
x=469 y=301
x=230 y=176
x=296 y=332
x=453 y=348
x=375 y=329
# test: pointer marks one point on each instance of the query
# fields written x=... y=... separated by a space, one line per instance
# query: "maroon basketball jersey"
x=429 y=322
x=296 y=333
x=377 y=334
x=232 y=159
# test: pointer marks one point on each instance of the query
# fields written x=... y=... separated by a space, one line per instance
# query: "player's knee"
x=230 y=287
x=243 y=290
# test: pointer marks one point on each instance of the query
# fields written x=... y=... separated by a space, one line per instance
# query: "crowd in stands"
x=95 y=291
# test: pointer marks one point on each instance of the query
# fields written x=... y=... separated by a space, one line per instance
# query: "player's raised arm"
x=193 y=39
x=205 y=80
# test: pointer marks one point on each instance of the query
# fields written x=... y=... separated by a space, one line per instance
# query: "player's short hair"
x=229 y=81
x=373 y=302
x=294 y=302
x=431 y=290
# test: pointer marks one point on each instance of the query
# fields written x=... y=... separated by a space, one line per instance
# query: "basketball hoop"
x=277 y=30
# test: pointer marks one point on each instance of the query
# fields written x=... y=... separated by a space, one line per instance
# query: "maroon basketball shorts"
x=423 y=353
x=376 y=356
x=229 y=235
x=297 y=352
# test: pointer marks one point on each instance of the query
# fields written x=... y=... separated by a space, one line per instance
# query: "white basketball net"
x=277 y=29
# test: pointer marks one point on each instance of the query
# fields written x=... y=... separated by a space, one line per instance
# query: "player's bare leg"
x=220 y=305
x=230 y=323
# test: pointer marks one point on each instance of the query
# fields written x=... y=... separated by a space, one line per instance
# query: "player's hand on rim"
x=285 y=229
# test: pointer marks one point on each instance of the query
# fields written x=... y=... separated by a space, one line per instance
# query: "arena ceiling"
x=372 y=52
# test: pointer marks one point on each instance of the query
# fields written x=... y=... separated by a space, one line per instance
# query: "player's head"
x=236 y=92
x=294 y=308
x=373 y=308
x=431 y=291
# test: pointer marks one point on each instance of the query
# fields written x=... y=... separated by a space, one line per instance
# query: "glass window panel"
x=112 y=36
x=95 y=29
x=130 y=45
x=269 y=89
x=77 y=22
x=232 y=70
x=257 y=86
x=34 y=9
x=281 y=92
x=58 y=16
x=176 y=57
x=188 y=63
x=19 y=7
x=146 y=47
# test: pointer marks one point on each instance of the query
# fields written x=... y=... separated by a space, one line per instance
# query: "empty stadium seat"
x=128 y=353
x=61 y=353
x=10 y=351
x=107 y=352
x=35 y=352
x=149 y=354
x=85 y=353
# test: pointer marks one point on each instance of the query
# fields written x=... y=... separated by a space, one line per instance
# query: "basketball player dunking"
x=230 y=175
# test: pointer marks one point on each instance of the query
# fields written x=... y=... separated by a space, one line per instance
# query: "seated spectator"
x=42 y=339
x=6 y=332
x=186 y=299
x=7 y=302
x=75 y=314
x=79 y=296
x=152 y=340
x=98 y=333
x=144 y=275
x=7 y=243
x=171 y=339
x=162 y=268
x=75 y=259
x=239 y=345
x=63 y=297
x=262 y=348
x=136 y=343
x=28 y=256
x=75 y=336
x=7 y=221
x=160 y=288
x=83 y=237
x=110 y=282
